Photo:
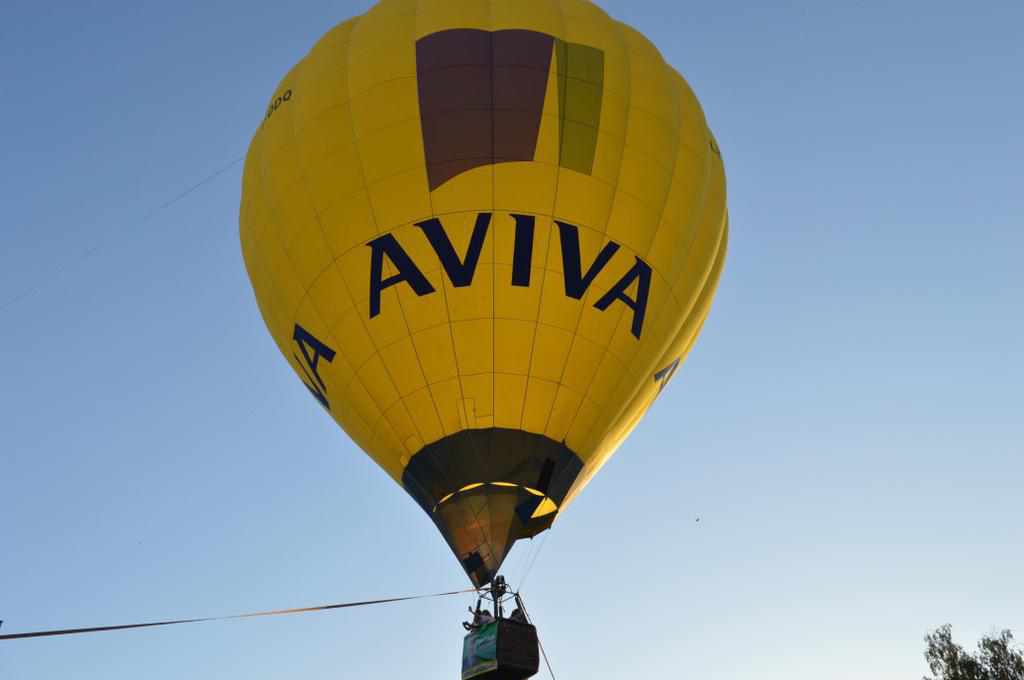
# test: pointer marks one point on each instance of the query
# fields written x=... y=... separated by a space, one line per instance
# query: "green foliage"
x=996 y=659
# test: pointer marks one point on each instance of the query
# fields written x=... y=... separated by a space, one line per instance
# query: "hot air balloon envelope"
x=484 y=234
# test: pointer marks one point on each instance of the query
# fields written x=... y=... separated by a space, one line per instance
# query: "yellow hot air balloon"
x=484 y=233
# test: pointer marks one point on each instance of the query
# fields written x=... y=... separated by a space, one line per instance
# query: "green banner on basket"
x=480 y=651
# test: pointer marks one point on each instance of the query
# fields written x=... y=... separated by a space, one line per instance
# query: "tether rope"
x=51 y=278
x=540 y=644
x=273 y=612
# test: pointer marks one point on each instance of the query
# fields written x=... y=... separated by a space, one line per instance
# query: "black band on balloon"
x=490 y=455
x=480 y=487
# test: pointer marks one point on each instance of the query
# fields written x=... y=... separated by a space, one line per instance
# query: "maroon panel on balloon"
x=481 y=97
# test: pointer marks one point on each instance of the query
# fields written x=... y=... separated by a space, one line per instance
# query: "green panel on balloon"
x=580 y=86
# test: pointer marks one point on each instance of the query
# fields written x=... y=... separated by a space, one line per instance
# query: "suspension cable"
x=529 y=568
x=273 y=612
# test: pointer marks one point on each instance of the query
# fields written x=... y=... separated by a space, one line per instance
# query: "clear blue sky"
x=849 y=427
